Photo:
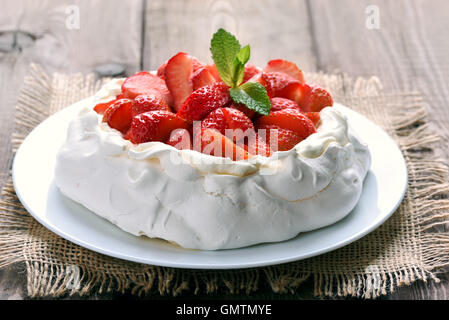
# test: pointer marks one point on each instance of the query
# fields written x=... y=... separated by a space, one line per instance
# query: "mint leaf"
x=239 y=72
x=225 y=47
x=244 y=54
x=253 y=95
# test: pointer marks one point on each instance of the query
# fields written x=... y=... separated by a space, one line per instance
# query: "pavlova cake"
x=214 y=156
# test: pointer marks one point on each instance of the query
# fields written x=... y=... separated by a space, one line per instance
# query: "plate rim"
x=354 y=237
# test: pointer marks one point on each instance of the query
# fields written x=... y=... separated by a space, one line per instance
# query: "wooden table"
x=407 y=48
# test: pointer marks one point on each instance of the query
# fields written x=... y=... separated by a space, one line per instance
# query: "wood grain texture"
x=410 y=51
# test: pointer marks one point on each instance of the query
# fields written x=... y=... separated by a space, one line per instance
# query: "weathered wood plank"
x=272 y=30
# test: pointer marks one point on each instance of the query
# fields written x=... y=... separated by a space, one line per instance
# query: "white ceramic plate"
x=33 y=172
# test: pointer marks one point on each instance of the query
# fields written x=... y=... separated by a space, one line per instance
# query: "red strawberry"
x=155 y=126
x=161 y=70
x=180 y=139
x=101 y=107
x=284 y=66
x=241 y=107
x=177 y=77
x=226 y=120
x=202 y=77
x=259 y=146
x=216 y=144
x=213 y=70
x=204 y=100
x=119 y=115
x=314 y=116
x=146 y=83
x=291 y=119
x=282 y=103
x=281 y=85
x=280 y=139
x=250 y=71
x=144 y=103
x=196 y=64
x=315 y=99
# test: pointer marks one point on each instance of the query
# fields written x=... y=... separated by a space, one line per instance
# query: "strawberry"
x=101 y=107
x=146 y=83
x=259 y=146
x=119 y=115
x=250 y=71
x=226 y=120
x=213 y=70
x=180 y=139
x=241 y=107
x=202 y=77
x=155 y=126
x=204 y=100
x=315 y=99
x=177 y=77
x=291 y=119
x=286 y=139
x=216 y=144
x=314 y=116
x=286 y=67
x=161 y=70
x=145 y=103
x=282 y=103
x=280 y=84
x=196 y=64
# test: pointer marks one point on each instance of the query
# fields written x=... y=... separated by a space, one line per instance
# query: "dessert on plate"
x=214 y=156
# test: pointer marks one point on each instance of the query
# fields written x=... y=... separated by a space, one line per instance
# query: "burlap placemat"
x=404 y=249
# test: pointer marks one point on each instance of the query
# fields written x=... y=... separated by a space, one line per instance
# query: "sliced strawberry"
x=291 y=119
x=314 y=116
x=281 y=85
x=119 y=115
x=180 y=139
x=196 y=64
x=145 y=103
x=282 y=103
x=213 y=70
x=145 y=83
x=161 y=70
x=216 y=144
x=316 y=99
x=202 y=77
x=177 y=77
x=101 y=107
x=250 y=71
x=155 y=126
x=280 y=139
x=230 y=122
x=204 y=100
x=241 y=107
x=284 y=66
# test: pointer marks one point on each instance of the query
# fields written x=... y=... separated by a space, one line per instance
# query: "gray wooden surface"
x=409 y=51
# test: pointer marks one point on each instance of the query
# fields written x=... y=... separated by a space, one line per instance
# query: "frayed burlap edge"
x=22 y=239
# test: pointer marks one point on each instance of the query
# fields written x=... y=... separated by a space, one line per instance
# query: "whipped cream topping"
x=204 y=202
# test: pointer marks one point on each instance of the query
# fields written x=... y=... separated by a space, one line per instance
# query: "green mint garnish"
x=230 y=59
x=253 y=95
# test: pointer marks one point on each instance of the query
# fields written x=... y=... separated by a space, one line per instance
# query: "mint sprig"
x=230 y=59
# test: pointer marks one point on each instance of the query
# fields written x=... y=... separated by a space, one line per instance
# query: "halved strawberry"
x=291 y=119
x=216 y=144
x=177 y=77
x=145 y=103
x=202 y=77
x=280 y=139
x=146 y=83
x=101 y=107
x=281 y=85
x=155 y=126
x=119 y=115
x=314 y=116
x=315 y=99
x=213 y=70
x=180 y=139
x=278 y=103
x=161 y=70
x=230 y=122
x=204 y=100
x=250 y=71
x=284 y=66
